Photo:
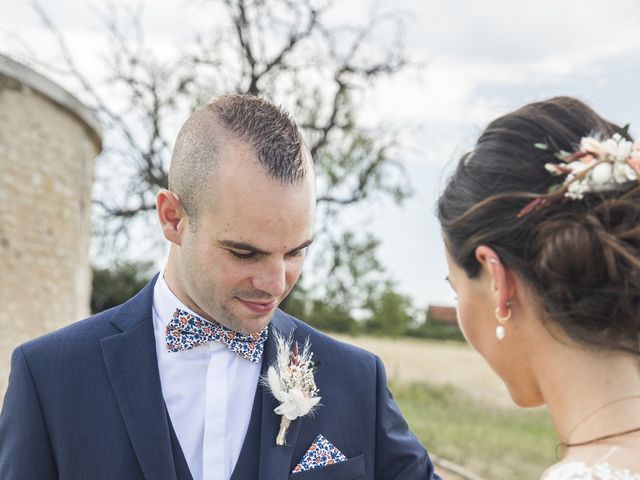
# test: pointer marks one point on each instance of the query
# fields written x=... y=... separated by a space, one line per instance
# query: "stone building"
x=48 y=143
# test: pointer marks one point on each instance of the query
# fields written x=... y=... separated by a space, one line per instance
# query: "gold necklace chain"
x=594 y=440
x=603 y=437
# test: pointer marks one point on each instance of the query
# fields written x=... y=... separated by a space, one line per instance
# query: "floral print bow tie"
x=186 y=331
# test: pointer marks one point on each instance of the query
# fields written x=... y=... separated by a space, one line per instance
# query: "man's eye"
x=242 y=256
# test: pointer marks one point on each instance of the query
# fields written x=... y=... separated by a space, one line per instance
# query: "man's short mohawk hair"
x=269 y=129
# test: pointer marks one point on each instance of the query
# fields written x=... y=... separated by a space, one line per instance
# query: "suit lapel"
x=132 y=367
x=275 y=460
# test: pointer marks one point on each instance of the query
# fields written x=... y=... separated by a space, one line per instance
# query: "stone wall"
x=48 y=143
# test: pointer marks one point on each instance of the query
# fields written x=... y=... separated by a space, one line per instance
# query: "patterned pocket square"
x=320 y=453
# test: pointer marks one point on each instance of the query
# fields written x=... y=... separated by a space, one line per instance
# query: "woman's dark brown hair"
x=581 y=256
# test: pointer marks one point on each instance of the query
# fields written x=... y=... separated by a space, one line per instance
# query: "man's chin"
x=249 y=324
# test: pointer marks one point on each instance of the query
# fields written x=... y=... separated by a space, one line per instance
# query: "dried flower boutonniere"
x=291 y=382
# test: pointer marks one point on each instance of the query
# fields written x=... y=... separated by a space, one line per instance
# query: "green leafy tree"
x=331 y=318
x=392 y=313
x=113 y=286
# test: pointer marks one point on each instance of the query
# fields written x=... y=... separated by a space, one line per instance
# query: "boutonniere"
x=291 y=382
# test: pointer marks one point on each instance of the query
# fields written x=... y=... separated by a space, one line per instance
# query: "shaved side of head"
x=195 y=156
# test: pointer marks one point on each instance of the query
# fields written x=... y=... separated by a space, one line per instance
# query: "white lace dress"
x=582 y=471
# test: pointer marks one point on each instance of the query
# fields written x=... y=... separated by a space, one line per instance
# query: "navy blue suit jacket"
x=85 y=402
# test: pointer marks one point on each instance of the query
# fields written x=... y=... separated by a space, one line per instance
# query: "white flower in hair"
x=577 y=190
x=578 y=167
x=617 y=148
x=602 y=175
x=599 y=165
x=623 y=172
x=590 y=144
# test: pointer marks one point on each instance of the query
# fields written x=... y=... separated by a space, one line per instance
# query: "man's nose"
x=272 y=278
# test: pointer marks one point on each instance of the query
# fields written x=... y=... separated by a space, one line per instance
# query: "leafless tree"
x=300 y=53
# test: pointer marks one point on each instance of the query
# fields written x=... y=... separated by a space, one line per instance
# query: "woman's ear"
x=502 y=280
x=173 y=219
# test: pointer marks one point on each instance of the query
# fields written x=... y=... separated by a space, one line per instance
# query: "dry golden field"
x=410 y=360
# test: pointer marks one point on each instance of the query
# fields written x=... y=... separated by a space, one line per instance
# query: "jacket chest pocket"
x=351 y=469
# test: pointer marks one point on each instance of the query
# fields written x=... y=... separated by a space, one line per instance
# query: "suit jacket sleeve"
x=399 y=454
x=25 y=450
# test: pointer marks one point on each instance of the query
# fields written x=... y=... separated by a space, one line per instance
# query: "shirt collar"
x=165 y=302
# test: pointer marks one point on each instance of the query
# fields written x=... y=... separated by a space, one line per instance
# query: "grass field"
x=495 y=443
x=461 y=410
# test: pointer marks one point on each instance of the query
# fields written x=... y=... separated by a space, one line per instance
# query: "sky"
x=483 y=58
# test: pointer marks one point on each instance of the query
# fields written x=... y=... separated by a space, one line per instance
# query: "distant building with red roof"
x=442 y=314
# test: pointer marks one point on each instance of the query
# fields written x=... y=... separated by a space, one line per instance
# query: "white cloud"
x=484 y=57
x=532 y=30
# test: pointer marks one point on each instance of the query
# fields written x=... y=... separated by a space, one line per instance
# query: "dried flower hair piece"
x=291 y=381
x=599 y=165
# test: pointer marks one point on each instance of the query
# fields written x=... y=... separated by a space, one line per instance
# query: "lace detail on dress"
x=582 y=471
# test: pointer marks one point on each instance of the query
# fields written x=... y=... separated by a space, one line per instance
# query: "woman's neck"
x=589 y=393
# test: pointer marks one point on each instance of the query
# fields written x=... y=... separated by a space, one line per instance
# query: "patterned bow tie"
x=186 y=331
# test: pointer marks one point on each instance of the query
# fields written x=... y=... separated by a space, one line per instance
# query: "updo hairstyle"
x=582 y=257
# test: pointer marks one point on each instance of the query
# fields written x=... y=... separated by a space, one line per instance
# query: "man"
x=166 y=386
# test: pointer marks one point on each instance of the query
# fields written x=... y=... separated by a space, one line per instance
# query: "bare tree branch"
x=283 y=49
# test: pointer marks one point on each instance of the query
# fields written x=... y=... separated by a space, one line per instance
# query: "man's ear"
x=172 y=216
x=503 y=281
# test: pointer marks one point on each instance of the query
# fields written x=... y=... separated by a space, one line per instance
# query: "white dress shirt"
x=208 y=392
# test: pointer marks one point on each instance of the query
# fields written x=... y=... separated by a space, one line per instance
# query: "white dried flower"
x=591 y=145
x=577 y=190
x=601 y=175
x=617 y=148
x=623 y=172
x=296 y=403
x=292 y=383
x=577 y=167
x=553 y=168
x=599 y=165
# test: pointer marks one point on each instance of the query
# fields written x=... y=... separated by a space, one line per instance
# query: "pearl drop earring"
x=501 y=331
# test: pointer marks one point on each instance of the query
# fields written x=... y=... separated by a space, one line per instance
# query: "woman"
x=541 y=223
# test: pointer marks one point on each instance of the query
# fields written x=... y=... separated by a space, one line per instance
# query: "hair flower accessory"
x=599 y=165
x=291 y=382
